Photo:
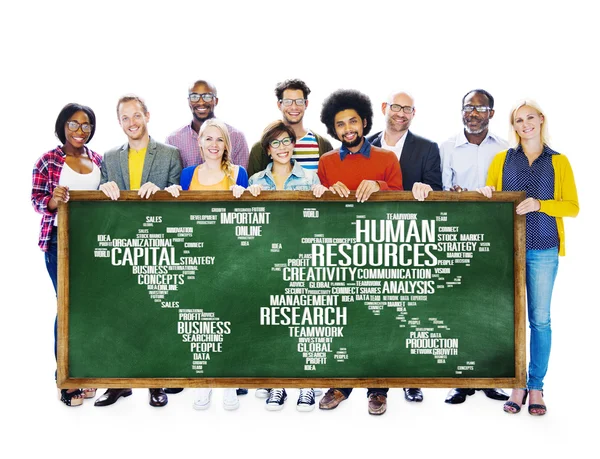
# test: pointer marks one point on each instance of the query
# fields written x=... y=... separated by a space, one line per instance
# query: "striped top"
x=306 y=152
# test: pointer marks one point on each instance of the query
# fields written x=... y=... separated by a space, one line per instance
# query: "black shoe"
x=496 y=394
x=456 y=396
x=413 y=395
x=241 y=391
x=173 y=390
x=111 y=396
x=158 y=397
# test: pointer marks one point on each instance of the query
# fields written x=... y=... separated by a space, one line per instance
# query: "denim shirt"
x=365 y=150
x=299 y=180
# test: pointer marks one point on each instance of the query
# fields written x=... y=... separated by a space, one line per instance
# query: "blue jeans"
x=52 y=267
x=540 y=272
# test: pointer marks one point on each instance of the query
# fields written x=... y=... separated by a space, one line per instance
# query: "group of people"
x=208 y=154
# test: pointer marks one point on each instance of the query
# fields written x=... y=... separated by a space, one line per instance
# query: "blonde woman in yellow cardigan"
x=547 y=178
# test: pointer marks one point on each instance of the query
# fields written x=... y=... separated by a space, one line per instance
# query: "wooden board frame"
x=64 y=381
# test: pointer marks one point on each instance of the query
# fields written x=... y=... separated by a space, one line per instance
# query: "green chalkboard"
x=211 y=290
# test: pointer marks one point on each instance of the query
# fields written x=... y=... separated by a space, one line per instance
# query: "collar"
x=365 y=150
x=297 y=170
x=401 y=141
x=461 y=139
x=150 y=147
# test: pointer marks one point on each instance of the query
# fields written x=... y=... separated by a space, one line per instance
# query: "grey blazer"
x=162 y=165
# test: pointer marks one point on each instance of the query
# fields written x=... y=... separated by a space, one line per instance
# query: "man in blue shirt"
x=466 y=159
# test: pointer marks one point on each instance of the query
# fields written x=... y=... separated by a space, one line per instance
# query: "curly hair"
x=346 y=99
x=291 y=84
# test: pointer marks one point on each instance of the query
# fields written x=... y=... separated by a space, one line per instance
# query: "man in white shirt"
x=465 y=162
x=467 y=156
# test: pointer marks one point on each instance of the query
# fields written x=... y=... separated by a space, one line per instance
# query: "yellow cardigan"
x=565 y=202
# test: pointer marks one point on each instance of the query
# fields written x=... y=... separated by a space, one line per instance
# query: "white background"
x=57 y=52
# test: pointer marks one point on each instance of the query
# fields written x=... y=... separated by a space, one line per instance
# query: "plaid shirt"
x=46 y=175
x=186 y=141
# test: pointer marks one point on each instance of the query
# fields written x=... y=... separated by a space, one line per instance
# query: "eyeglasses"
x=285 y=141
x=405 y=108
x=479 y=108
x=288 y=102
x=206 y=97
x=74 y=126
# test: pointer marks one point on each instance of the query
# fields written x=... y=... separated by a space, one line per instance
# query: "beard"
x=355 y=143
x=393 y=125
x=291 y=122
x=209 y=115
x=141 y=132
x=478 y=130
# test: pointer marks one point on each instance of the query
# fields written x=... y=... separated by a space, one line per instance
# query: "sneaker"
x=262 y=393
x=318 y=392
x=202 y=399
x=230 y=399
x=306 y=400
x=276 y=399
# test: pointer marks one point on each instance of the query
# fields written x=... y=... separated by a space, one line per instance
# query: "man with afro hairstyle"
x=356 y=166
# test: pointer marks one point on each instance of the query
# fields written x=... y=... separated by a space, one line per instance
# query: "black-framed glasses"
x=206 y=97
x=478 y=108
x=73 y=126
x=288 y=102
x=285 y=142
x=405 y=108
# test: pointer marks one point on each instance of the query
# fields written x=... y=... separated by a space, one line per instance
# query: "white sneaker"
x=276 y=399
x=230 y=399
x=318 y=392
x=202 y=399
x=262 y=393
x=306 y=400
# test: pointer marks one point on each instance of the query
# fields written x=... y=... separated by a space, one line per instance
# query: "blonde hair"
x=515 y=139
x=226 y=164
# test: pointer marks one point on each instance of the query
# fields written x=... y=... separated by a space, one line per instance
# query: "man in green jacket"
x=292 y=100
